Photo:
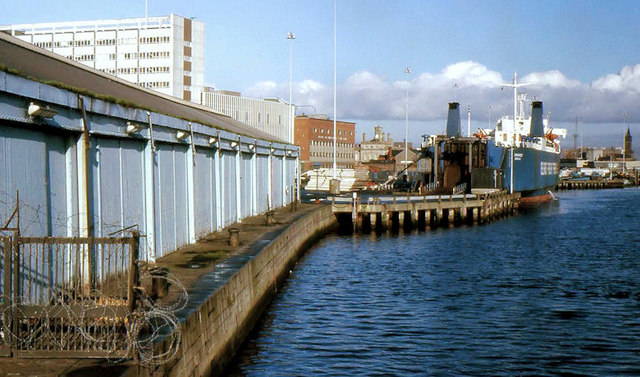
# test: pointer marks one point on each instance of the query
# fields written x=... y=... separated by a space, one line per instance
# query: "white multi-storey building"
x=161 y=53
x=272 y=115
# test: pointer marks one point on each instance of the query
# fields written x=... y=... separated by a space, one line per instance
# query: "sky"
x=582 y=58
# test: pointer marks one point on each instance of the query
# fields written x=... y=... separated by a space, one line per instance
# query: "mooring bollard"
x=159 y=282
x=234 y=237
x=270 y=218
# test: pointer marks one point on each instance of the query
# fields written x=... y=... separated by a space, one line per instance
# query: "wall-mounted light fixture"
x=213 y=140
x=35 y=110
x=252 y=147
x=132 y=128
x=289 y=153
x=234 y=144
x=181 y=135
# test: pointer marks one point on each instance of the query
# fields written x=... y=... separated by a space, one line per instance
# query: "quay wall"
x=213 y=333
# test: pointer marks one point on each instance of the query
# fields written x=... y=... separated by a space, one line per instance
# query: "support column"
x=254 y=182
x=220 y=205
x=270 y=181
x=191 y=192
x=285 y=185
x=238 y=184
x=386 y=220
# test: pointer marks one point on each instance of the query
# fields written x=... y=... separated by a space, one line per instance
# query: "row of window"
x=330 y=154
x=154 y=84
x=136 y=70
x=328 y=131
x=147 y=40
x=101 y=42
x=146 y=55
x=83 y=58
x=326 y=143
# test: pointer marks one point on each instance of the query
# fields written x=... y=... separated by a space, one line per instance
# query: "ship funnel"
x=537 y=128
x=453 y=120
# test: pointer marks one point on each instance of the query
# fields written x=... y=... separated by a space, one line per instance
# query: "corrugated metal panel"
x=262 y=188
x=117 y=185
x=291 y=178
x=246 y=185
x=171 y=202
x=276 y=174
x=229 y=187
x=205 y=192
x=34 y=164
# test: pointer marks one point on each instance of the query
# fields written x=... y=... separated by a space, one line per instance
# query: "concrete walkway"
x=201 y=268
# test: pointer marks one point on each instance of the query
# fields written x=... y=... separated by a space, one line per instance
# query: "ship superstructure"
x=521 y=154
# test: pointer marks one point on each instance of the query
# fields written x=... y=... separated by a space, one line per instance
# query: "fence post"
x=16 y=277
x=134 y=244
x=7 y=319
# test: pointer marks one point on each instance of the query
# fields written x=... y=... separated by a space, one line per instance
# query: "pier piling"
x=391 y=213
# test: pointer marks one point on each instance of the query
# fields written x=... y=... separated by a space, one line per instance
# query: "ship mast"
x=515 y=87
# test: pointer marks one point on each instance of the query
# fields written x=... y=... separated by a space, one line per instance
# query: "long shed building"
x=90 y=154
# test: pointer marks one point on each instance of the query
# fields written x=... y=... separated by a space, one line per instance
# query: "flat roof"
x=41 y=65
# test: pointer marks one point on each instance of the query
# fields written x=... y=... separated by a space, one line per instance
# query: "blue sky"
x=583 y=56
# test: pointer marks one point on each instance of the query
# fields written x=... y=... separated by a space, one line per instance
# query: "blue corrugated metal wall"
x=276 y=181
x=246 y=184
x=42 y=186
x=142 y=178
x=229 y=187
x=262 y=188
x=172 y=225
x=205 y=195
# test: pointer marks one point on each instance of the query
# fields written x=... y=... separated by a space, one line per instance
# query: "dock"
x=382 y=213
x=576 y=184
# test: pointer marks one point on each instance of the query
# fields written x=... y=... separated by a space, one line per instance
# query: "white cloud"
x=472 y=74
x=372 y=97
x=628 y=79
x=554 y=79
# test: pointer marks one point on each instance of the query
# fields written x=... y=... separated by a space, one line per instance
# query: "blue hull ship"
x=521 y=154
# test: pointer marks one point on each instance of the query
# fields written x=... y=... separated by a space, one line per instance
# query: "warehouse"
x=90 y=154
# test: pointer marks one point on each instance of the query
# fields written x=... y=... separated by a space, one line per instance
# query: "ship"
x=521 y=154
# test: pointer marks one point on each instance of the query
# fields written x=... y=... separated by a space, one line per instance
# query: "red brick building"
x=314 y=135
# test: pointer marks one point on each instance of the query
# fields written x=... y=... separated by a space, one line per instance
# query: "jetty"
x=577 y=184
x=389 y=212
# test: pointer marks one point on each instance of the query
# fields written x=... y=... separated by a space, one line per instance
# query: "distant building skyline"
x=165 y=53
x=314 y=136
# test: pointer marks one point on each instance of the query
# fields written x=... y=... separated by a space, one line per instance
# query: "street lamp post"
x=407 y=71
x=335 y=59
x=291 y=37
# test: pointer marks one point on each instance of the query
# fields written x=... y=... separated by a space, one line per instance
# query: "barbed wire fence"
x=92 y=320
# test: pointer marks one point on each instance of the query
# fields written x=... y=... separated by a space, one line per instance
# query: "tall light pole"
x=291 y=37
x=407 y=71
x=468 y=120
x=489 y=115
x=335 y=59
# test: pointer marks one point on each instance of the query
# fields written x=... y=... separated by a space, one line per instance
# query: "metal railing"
x=63 y=295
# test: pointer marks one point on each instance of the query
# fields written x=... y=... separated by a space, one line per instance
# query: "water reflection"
x=553 y=291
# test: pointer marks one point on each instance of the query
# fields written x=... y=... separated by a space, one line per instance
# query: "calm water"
x=552 y=292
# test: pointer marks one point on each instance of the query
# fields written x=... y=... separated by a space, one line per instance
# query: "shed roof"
x=41 y=65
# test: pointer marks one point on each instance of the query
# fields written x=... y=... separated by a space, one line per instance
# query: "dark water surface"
x=551 y=292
